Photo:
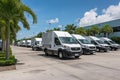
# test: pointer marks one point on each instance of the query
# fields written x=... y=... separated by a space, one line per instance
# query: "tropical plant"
x=11 y=10
x=39 y=34
x=80 y=30
x=95 y=30
x=70 y=28
x=88 y=32
x=56 y=29
x=106 y=30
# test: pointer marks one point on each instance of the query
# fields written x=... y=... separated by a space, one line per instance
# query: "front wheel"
x=46 y=53
x=60 y=55
x=77 y=56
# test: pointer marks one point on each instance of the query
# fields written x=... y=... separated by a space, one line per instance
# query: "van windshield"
x=100 y=42
x=84 y=41
x=68 y=40
x=112 y=42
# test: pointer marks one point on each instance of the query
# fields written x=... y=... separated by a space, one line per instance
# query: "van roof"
x=77 y=36
x=38 y=39
x=62 y=34
x=104 y=38
x=94 y=38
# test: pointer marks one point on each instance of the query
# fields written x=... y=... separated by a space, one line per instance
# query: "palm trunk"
x=3 y=46
x=8 y=41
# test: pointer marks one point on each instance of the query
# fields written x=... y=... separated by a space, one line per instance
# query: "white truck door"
x=57 y=44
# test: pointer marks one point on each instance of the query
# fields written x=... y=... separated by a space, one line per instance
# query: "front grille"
x=107 y=47
x=92 y=47
x=75 y=48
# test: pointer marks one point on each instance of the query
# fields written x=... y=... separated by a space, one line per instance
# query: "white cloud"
x=52 y=21
x=91 y=17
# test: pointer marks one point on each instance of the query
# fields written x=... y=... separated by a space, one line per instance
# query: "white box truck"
x=36 y=44
x=87 y=46
x=18 y=43
x=22 y=43
x=100 y=45
x=113 y=45
x=0 y=45
x=28 y=43
x=60 y=43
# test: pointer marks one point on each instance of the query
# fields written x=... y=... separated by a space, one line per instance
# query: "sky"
x=59 y=13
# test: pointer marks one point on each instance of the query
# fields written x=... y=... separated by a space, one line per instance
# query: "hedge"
x=4 y=62
x=116 y=39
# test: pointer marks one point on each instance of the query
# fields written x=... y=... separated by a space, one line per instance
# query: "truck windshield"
x=84 y=41
x=68 y=40
x=100 y=42
x=112 y=42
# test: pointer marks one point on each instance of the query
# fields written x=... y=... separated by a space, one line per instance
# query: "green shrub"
x=116 y=39
x=7 y=62
x=4 y=62
x=3 y=57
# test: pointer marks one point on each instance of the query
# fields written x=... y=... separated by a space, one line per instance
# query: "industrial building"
x=115 y=25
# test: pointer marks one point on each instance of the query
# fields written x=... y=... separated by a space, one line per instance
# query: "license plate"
x=76 y=54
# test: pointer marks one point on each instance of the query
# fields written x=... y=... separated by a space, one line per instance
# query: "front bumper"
x=103 y=48
x=87 y=50
x=69 y=53
x=114 y=47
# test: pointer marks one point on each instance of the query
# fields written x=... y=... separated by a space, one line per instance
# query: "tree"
x=70 y=28
x=106 y=30
x=95 y=30
x=88 y=32
x=80 y=30
x=56 y=29
x=39 y=34
x=11 y=10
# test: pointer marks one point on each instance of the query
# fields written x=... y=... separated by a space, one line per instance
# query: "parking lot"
x=34 y=65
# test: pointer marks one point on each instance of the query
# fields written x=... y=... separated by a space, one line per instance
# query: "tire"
x=46 y=53
x=60 y=55
x=92 y=53
x=77 y=56
x=35 y=49
x=105 y=50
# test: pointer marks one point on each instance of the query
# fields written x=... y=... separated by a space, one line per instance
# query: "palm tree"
x=80 y=30
x=56 y=29
x=95 y=30
x=70 y=28
x=11 y=10
x=88 y=32
x=106 y=30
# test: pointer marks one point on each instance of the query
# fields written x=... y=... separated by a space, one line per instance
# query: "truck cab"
x=36 y=44
x=87 y=46
x=60 y=43
x=113 y=45
x=100 y=45
x=28 y=43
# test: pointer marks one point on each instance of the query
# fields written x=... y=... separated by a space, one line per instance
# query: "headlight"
x=67 y=48
x=84 y=46
x=101 y=46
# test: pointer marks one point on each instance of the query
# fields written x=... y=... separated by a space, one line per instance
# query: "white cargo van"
x=28 y=43
x=18 y=43
x=112 y=44
x=36 y=44
x=60 y=43
x=100 y=45
x=87 y=46
x=0 y=45
x=22 y=43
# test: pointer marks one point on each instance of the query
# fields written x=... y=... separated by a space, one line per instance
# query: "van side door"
x=57 y=45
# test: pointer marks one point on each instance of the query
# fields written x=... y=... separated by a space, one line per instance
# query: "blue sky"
x=63 y=12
